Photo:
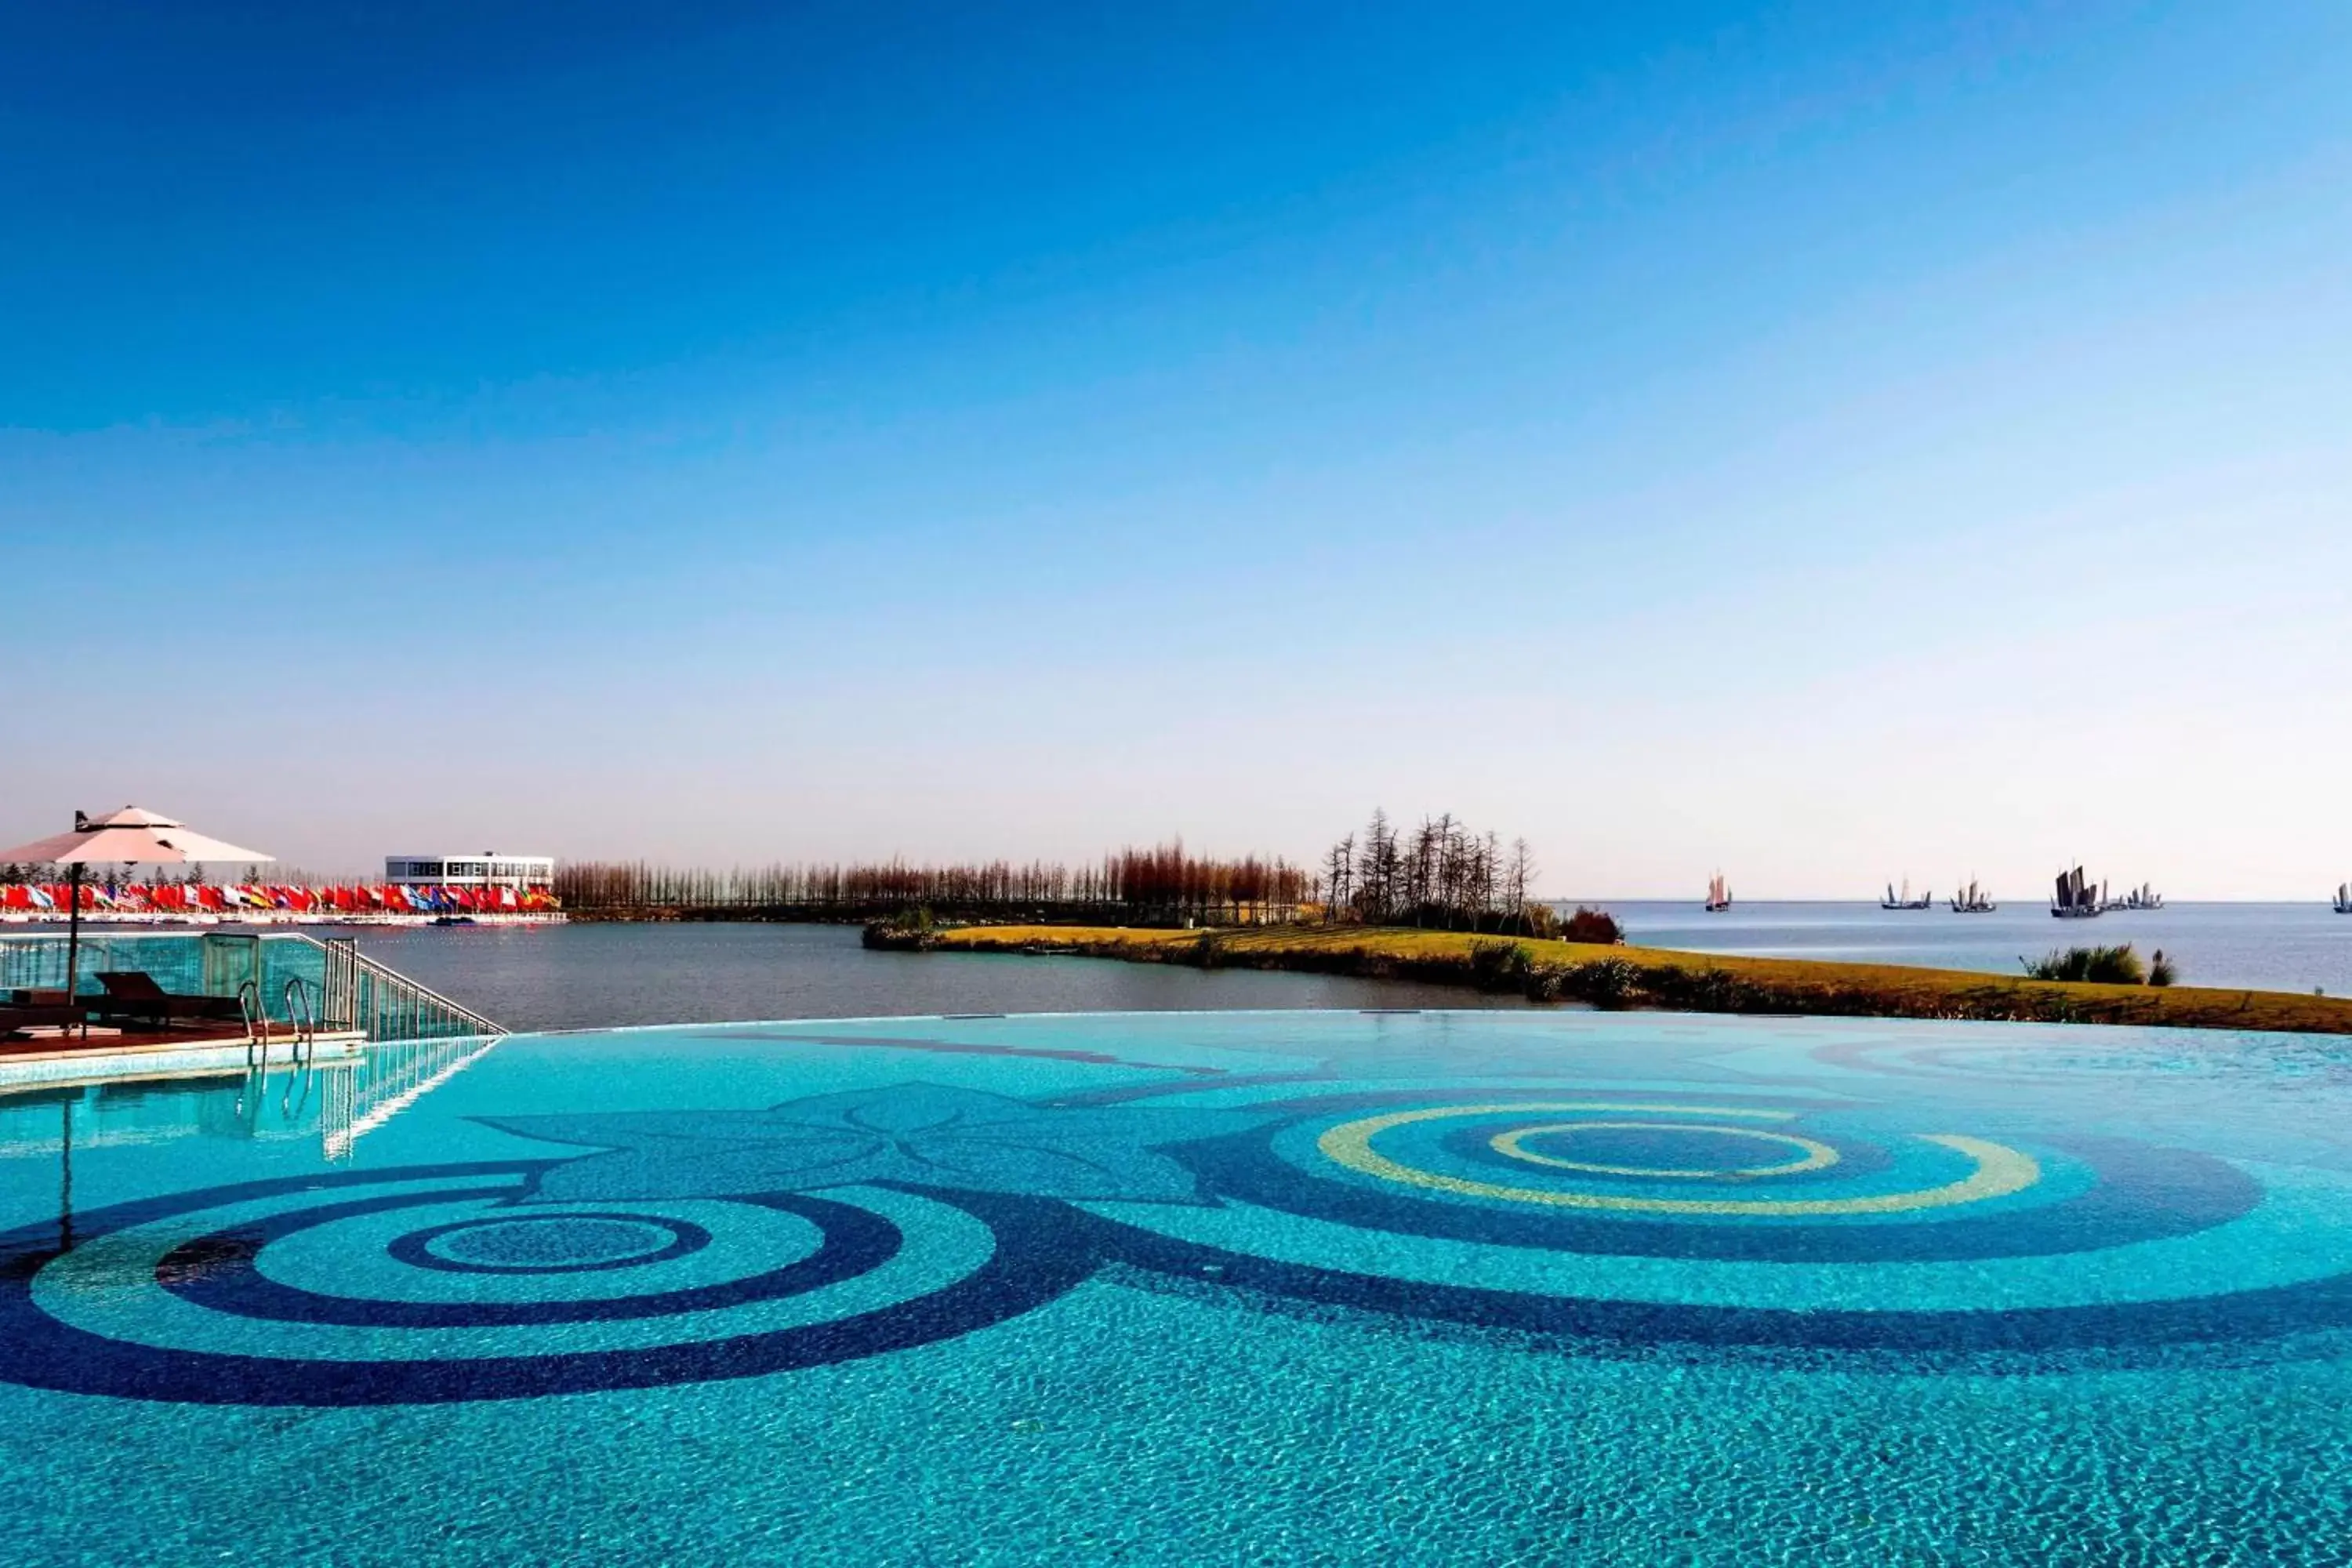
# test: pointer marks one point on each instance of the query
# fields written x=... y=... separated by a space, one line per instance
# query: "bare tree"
x=1338 y=874
x=1521 y=872
x=1377 y=870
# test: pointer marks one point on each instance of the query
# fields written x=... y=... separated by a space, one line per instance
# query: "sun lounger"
x=38 y=1010
x=133 y=996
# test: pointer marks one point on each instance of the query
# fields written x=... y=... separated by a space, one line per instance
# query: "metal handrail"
x=257 y=1026
x=458 y=1010
x=419 y=996
x=302 y=1011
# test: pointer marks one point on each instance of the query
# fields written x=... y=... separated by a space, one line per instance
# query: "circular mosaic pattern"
x=672 y=1246
x=1997 y=1171
x=1868 y=1236
x=550 y=1244
x=440 y=1283
x=1862 y=1192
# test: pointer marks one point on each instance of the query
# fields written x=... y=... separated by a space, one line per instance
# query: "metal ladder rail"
x=256 y=1051
x=302 y=1013
x=257 y=1026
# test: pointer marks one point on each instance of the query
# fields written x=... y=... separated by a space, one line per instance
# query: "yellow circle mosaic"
x=1998 y=1171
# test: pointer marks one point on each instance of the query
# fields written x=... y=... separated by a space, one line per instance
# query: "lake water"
x=2271 y=947
x=596 y=977
x=604 y=977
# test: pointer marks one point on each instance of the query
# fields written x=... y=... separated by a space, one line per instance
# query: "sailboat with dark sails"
x=1973 y=901
x=1903 y=901
x=2076 y=900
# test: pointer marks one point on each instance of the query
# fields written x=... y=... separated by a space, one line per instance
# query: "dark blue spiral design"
x=1027 y=1268
x=2137 y=1192
x=217 y=1273
x=2122 y=1336
x=2126 y=1191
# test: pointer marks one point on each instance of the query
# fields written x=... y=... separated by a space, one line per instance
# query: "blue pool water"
x=1196 y=1288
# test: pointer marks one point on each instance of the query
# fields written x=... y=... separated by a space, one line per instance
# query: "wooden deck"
x=50 y=1041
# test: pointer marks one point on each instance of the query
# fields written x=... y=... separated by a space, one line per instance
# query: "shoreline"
x=54 y=924
x=1650 y=977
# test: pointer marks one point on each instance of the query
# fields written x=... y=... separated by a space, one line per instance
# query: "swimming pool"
x=1271 y=1287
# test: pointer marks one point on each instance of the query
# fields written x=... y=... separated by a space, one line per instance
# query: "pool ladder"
x=301 y=1000
x=301 y=1003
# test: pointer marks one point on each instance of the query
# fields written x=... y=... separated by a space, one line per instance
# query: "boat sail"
x=1973 y=901
x=2076 y=900
x=2344 y=898
x=2144 y=897
x=1718 y=894
x=1903 y=901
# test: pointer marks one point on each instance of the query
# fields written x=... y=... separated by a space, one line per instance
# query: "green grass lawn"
x=1643 y=976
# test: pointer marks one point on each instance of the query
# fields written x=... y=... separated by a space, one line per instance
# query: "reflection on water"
x=331 y=1106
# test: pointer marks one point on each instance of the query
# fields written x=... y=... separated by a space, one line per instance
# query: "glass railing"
x=345 y=990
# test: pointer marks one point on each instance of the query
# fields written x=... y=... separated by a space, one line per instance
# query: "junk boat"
x=1718 y=894
x=1973 y=901
x=2077 y=900
x=2143 y=897
x=2344 y=898
x=1903 y=901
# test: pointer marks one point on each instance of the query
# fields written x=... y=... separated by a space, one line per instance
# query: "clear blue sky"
x=1825 y=442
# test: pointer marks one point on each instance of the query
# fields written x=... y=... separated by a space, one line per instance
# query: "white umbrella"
x=133 y=835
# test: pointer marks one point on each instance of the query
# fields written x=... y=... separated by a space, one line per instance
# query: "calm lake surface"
x=598 y=976
x=2271 y=947
x=603 y=976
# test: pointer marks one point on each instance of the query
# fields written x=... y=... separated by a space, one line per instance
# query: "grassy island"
x=1620 y=976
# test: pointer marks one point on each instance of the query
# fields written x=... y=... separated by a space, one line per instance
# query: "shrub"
x=1592 y=925
x=1498 y=965
x=1706 y=990
x=2116 y=965
x=907 y=931
x=2162 y=970
x=1605 y=982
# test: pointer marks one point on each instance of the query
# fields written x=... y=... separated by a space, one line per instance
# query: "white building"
x=487 y=869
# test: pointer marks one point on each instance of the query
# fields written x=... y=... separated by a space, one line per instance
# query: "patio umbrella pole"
x=73 y=936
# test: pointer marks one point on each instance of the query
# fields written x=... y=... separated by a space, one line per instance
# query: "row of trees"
x=14 y=875
x=1162 y=882
x=1442 y=873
